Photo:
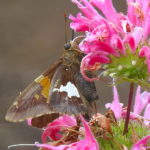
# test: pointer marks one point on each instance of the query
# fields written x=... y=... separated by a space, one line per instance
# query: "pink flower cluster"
x=112 y=33
x=53 y=132
x=142 y=103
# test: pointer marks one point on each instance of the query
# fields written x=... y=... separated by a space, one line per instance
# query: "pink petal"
x=137 y=12
x=145 y=51
x=53 y=129
x=145 y=7
x=115 y=106
x=89 y=143
x=146 y=26
x=137 y=35
x=107 y=9
x=130 y=12
x=131 y=42
x=107 y=105
x=138 y=105
x=147 y=115
x=61 y=147
x=133 y=116
x=145 y=96
x=97 y=45
x=80 y=23
x=117 y=43
x=88 y=10
x=89 y=61
x=141 y=143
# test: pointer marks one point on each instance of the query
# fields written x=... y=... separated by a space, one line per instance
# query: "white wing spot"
x=69 y=88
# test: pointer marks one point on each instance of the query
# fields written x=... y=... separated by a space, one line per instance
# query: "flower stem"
x=128 y=108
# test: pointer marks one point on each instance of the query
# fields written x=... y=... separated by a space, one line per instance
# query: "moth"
x=59 y=90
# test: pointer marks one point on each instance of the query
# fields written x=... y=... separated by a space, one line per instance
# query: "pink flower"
x=145 y=97
x=147 y=115
x=88 y=143
x=53 y=129
x=141 y=144
x=115 y=106
x=141 y=100
x=116 y=41
x=142 y=103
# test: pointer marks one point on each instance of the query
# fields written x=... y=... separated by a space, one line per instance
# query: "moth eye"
x=67 y=45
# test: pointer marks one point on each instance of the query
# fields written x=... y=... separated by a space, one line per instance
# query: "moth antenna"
x=66 y=38
x=17 y=145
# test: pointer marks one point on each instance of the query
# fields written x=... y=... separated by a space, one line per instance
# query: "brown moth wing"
x=65 y=97
x=32 y=102
x=43 y=120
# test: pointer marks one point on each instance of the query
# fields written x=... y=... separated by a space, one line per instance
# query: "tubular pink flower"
x=80 y=23
x=88 y=143
x=147 y=26
x=53 y=129
x=138 y=104
x=147 y=115
x=131 y=42
x=141 y=144
x=92 y=61
x=130 y=12
x=145 y=52
x=145 y=96
x=97 y=45
x=117 y=43
x=142 y=101
x=137 y=35
x=115 y=106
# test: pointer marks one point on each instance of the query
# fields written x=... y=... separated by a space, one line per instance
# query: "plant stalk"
x=128 y=108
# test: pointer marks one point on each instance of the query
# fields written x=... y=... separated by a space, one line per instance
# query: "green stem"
x=128 y=108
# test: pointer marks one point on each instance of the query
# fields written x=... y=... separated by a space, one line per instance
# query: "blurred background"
x=31 y=39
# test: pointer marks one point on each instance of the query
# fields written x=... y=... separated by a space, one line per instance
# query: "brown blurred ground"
x=31 y=38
